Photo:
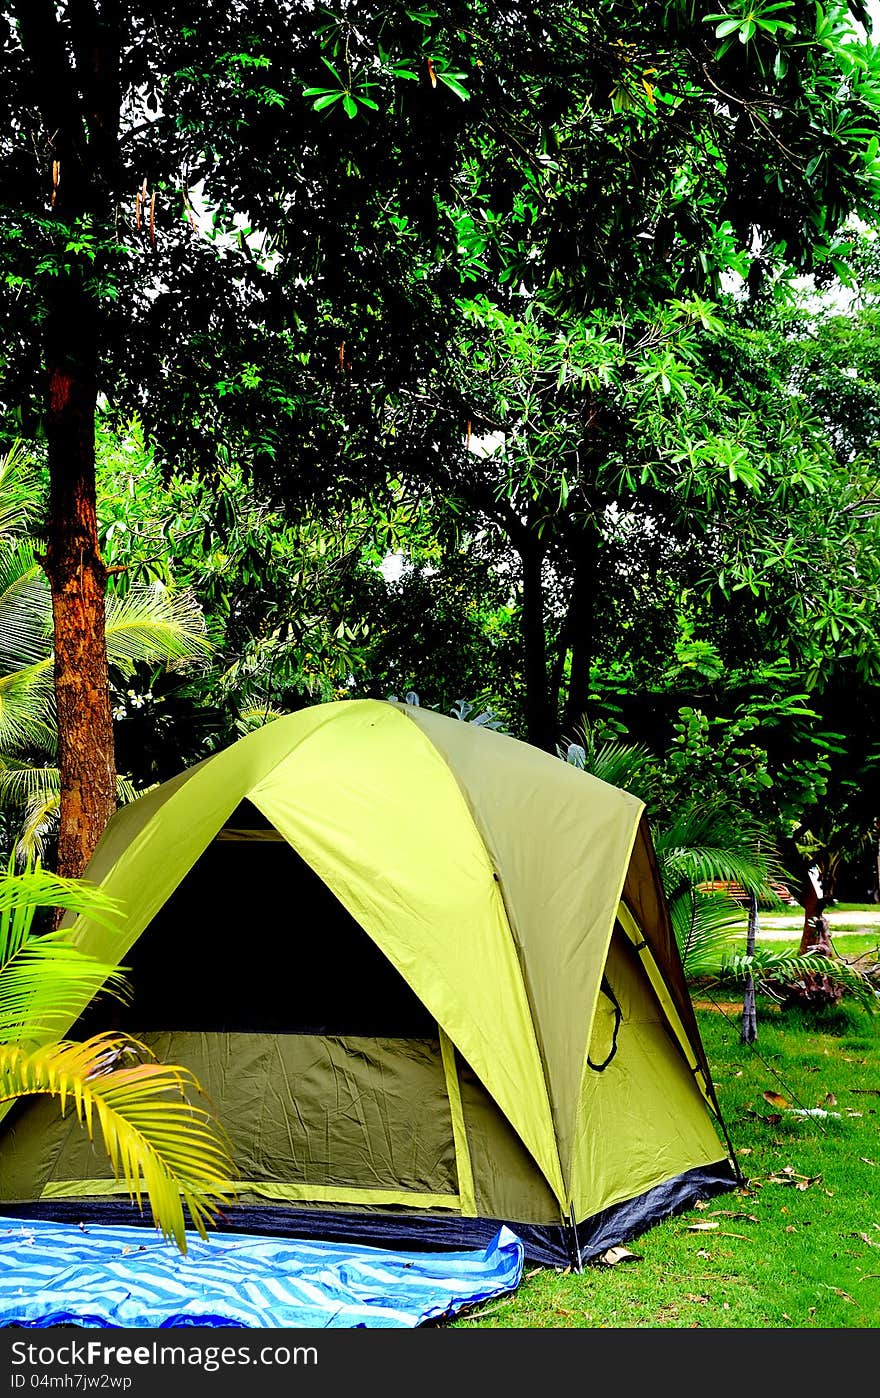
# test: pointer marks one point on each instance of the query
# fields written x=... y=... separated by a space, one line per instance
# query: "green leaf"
x=452 y=81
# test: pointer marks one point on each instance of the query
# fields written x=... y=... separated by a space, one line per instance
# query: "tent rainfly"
x=426 y=977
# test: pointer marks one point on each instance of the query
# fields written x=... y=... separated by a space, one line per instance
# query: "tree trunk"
x=581 y=627
x=749 y=1030
x=815 y=936
x=540 y=719
x=78 y=100
x=77 y=578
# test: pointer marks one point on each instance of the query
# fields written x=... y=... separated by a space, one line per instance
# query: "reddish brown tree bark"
x=77 y=96
x=77 y=578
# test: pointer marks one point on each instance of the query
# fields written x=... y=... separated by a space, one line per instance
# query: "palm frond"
x=22 y=893
x=708 y=863
x=150 y=623
x=25 y=608
x=39 y=823
x=27 y=707
x=699 y=823
x=771 y=969
x=21 y=781
x=35 y=792
x=705 y=843
x=158 y=1142
x=620 y=764
x=126 y=791
x=705 y=926
x=44 y=985
x=256 y=716
x=43 y=977
x=19 y=490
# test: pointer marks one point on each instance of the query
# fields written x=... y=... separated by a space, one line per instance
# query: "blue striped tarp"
x=57 y=1274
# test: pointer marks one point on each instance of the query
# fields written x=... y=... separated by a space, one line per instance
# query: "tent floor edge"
x=548 y=1245
x=623 y=1222
x=545 y=1244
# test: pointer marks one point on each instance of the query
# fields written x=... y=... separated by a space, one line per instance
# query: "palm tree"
x=159 y=1143
x=149 y=622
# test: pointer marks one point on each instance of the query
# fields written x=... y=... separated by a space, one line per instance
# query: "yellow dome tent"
x=425 y=975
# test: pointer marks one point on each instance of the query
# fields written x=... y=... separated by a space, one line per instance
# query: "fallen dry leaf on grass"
x=775 y=1099
x=612 y=1257
x=732 y=1213
x=865 y=1239
x=788 y=1175
x=839 y=1291
x=478 y=1315
x=705 y=1227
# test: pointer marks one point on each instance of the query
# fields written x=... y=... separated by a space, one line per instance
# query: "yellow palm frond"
x=159 y=1143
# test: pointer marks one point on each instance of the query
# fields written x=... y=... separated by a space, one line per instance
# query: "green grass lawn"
x=848 y=944
x=799 y=1245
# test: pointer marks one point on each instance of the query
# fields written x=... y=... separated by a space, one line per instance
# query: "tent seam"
x=499 y=889
x=592 y=1017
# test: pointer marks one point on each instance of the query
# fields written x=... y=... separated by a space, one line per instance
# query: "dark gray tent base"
x=551 y=1245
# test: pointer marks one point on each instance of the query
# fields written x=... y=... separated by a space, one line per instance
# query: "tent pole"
x=574 y=1246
